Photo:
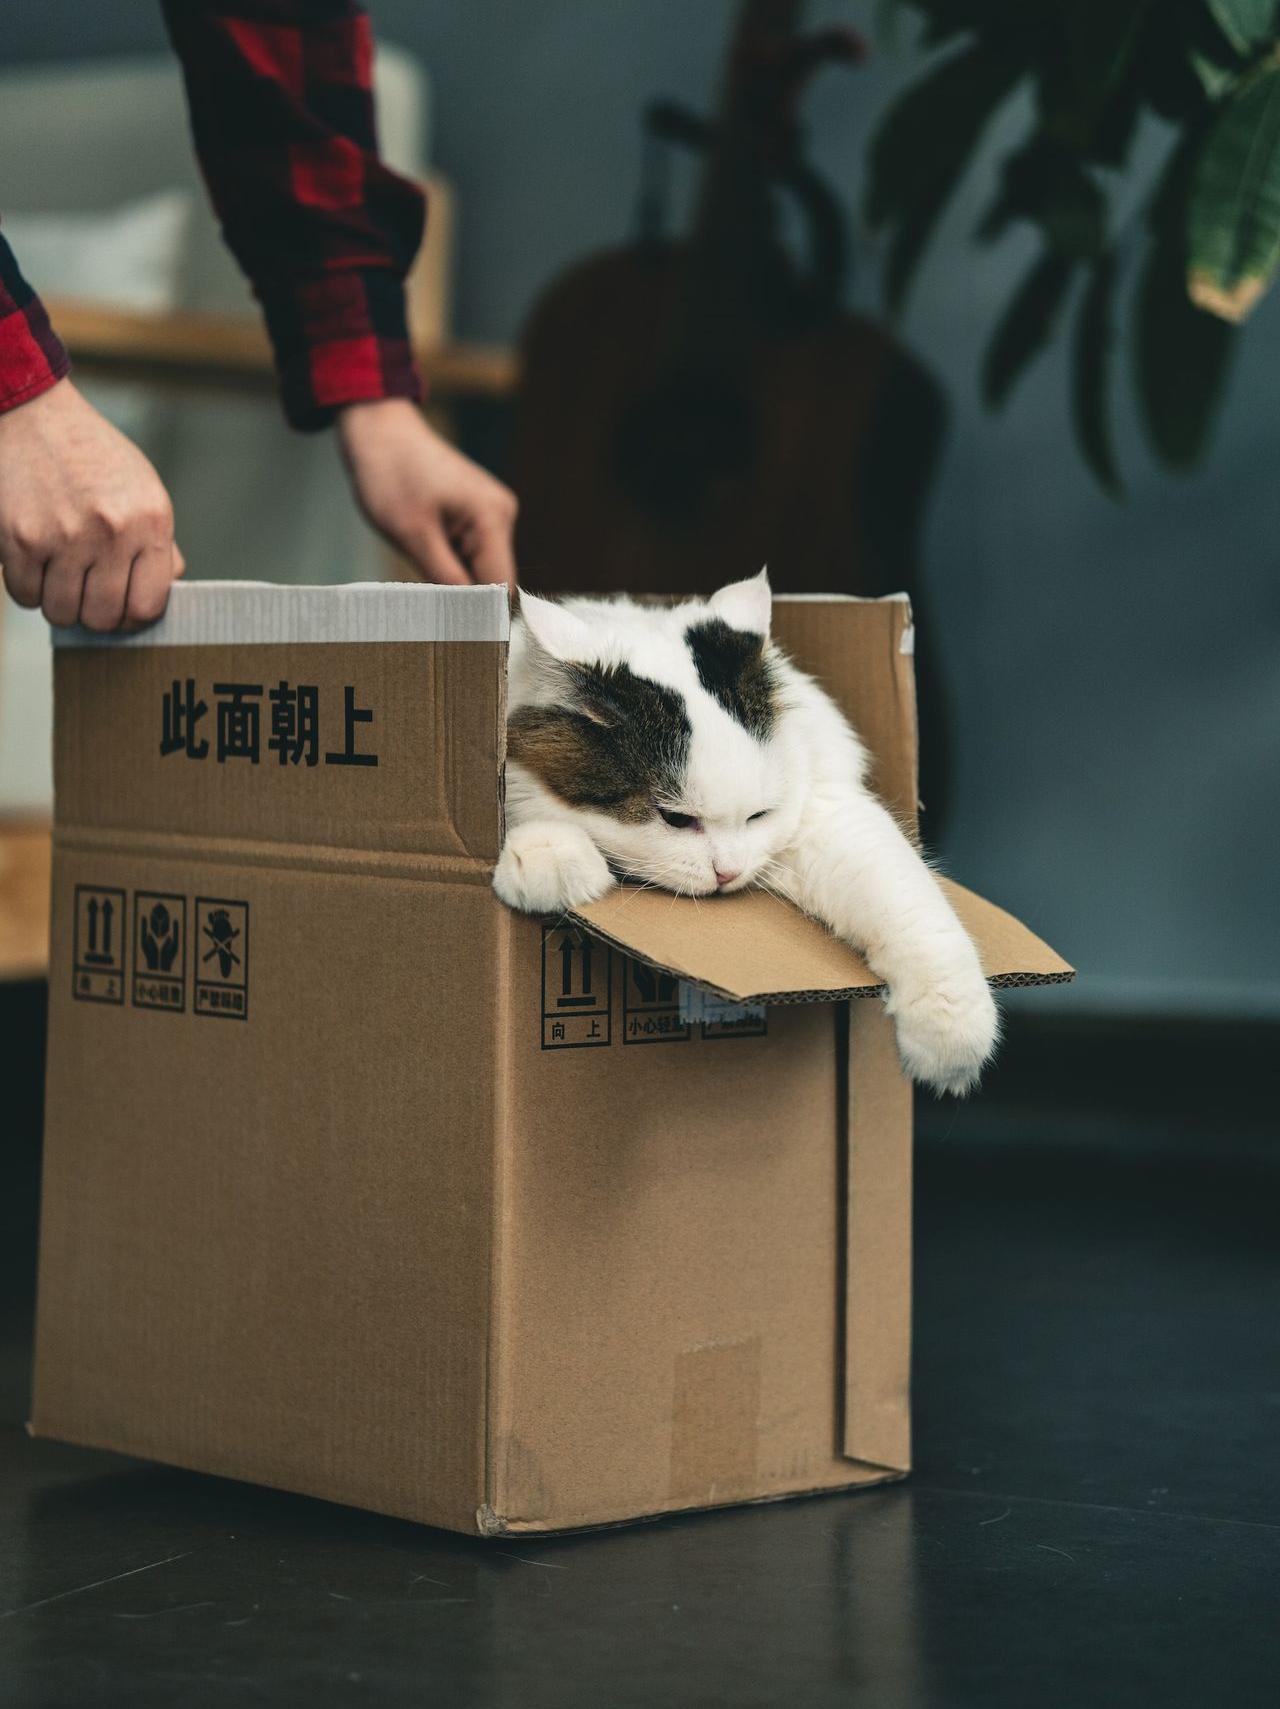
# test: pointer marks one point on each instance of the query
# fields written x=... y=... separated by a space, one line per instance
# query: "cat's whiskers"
x=771 y=876
x=635 y=886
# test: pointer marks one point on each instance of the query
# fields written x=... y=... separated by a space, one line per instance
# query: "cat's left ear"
x=745 y=605
x=557 y=631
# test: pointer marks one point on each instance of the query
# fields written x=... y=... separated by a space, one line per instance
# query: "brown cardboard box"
x=359 y=1185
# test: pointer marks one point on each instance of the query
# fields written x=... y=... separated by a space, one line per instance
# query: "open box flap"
x=753 y=947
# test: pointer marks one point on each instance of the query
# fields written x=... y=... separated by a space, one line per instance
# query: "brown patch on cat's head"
x=618 y=741
x=735 y=669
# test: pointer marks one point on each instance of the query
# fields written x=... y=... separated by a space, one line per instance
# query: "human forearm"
x=282 y=114
x=32 y=358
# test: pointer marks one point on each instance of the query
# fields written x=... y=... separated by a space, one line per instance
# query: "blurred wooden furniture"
x=25 y=853
x=185 y=348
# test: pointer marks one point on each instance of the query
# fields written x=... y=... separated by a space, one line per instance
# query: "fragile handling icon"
x=160 y=937
x=160 y=951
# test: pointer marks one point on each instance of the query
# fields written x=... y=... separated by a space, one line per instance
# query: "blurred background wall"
x=1114 y=667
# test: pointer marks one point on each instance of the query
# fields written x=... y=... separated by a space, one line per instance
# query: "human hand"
x=445 y=512
x=86 y=527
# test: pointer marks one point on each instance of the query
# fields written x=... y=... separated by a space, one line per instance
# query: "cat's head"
x=664 y=728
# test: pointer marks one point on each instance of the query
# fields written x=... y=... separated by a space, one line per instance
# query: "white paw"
x=544 y=869
x=947 y=1031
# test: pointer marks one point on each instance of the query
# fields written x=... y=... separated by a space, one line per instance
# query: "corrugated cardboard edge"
x=1011 y=953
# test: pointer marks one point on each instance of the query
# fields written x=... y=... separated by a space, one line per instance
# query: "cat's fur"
x=618 y=711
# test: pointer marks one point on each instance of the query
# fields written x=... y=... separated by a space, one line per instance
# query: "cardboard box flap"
x=753 y=947
x=862 y=651
x=331 y=721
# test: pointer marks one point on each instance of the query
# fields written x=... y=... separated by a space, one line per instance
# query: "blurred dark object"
x=1106 y=1082
x=1204 y=244
x=22 y=1048
x=691 y=409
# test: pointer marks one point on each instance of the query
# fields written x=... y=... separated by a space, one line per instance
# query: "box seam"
x=281 y=855
x=494 y=1395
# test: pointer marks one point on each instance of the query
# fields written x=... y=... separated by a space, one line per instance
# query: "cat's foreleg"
x=852 y=868
x=547 y=866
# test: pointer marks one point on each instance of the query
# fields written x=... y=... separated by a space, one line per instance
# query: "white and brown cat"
x=678 y=745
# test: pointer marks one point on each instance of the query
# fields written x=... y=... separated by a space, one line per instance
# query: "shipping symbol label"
x=651 y=1006
x=723 y=1018
x=100 y=931
x=220 y=958
x=577 y=982
x=159 y=951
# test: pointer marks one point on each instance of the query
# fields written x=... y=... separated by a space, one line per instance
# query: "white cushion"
x=130 y=257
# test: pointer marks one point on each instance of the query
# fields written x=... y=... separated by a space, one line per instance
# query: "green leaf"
x=1216 y=79
x=1091 y=373
x=1045 y=182
x=1247 y=24
x=1027 y=326
x=1181 y=355
x=951 y=20
x=914 y=146
x=1187 y=62
x=1087 y=64
x=922 y=147
x=1233 y=220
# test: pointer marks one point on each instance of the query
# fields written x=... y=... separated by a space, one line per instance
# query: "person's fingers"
x=63 y=589
x=105 y=587
x=24 y=578
x=431 y=552
x=489 y=552
x=149 y=582
x=462 y=535
x=179 y=563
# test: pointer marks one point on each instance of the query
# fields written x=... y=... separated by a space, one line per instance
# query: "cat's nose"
x=726 y=875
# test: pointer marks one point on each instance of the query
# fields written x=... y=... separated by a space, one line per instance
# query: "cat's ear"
x=745 y=605
x=557 y=631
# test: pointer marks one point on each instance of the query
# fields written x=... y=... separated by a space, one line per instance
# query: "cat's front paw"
x=544 y=869
x=946 y=1032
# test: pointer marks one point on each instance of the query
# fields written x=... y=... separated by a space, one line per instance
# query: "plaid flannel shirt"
x=280 y=93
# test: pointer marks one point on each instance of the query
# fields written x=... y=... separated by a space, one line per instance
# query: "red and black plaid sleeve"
x=281 y=101
x=31 y=357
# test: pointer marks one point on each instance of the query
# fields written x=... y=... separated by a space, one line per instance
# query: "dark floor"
x=1095 y=1517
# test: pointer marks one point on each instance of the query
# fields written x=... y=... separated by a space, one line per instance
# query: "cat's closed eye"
x=762 y=814
x=678 y=821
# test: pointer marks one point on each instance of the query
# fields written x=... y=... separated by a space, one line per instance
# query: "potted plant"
x=1206 y=240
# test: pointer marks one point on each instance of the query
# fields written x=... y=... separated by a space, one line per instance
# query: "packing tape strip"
x=715 y=1423
x=699 y=1005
